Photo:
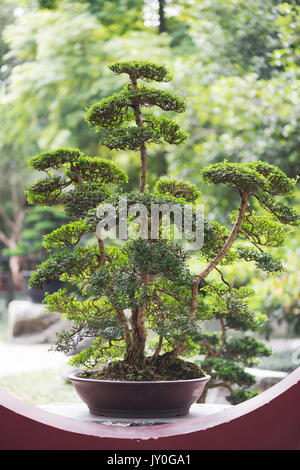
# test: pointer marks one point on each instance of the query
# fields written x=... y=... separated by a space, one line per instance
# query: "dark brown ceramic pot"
x=138 y=399
x=37 y=295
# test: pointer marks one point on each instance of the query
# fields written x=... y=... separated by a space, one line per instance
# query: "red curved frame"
x=269 y=421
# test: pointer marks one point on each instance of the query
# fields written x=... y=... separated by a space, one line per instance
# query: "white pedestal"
x=80 y=412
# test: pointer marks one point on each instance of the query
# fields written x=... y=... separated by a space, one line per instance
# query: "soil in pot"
x=124 y=391
x=159 y=369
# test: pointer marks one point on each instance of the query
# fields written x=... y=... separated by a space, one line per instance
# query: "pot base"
x=138 y=414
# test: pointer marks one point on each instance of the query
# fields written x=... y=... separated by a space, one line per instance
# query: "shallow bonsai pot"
x=37 y=295
x=139 y=399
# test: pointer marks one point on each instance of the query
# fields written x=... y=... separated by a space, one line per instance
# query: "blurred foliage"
x=37 y=222
x=278 y=296
x=236 y=62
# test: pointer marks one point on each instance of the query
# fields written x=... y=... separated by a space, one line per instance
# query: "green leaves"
x=68 y=234
x=225 y=358
x=250 y=178
x=230 y=304
x=158 y=130
x=283 y=212
x=168 y=130
x=259 y=179
x=263 y=261
x=99 y=353
x=126 y=291
x=158 y=257
x=47 y=190
x=263 y=230
x=89 y=318
x=245 y=350
x=129 y=138
x=227 y=370
x=241 y=394
x=66 y=261
x=94 y=169
x=234 y=174
x=85 y=177
x=113 y=111
x=54 y=159
x=109 y=112
x=84 y=197
x=278 y=182
x=177 y=189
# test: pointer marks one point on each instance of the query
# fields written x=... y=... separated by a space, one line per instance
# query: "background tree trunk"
x=162 y=27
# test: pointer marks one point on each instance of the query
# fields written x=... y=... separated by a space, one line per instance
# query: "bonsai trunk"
x=135 y=354
x=143 y=151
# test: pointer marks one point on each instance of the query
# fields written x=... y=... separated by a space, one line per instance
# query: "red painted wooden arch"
x=270 y=421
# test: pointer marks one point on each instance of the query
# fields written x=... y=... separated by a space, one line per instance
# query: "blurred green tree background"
x=236 y=62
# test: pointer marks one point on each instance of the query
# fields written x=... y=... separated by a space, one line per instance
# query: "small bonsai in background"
x=38 y=222
x=140 y=299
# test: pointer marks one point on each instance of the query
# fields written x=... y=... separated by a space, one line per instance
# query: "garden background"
x=238 y=66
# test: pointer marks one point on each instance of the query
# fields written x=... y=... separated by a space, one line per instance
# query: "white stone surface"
x=80 y=412
x=20 y=358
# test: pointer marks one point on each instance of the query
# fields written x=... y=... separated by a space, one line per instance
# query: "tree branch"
x=224 y=250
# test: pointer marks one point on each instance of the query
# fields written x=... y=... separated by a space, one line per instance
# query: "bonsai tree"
x=139 y=297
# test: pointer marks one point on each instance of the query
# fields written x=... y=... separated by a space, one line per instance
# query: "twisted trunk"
x=135 y=353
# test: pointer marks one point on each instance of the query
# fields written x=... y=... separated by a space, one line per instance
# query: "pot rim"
x=74 y=376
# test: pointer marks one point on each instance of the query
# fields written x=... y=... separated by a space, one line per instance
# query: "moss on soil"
x=151 y=371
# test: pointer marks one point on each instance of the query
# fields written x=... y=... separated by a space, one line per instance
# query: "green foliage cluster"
x=252 y=177
x=110 y=114
x=263 y=229
x=68 y=234
x=283 y=212
x=142 y=69
x=178 y=189
x=84 y=197
x=72 y=263
x=157 y=258
x=227 y=361
x=54 y=159
x=98 y=175
x=263 y=261
x=157 y=131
